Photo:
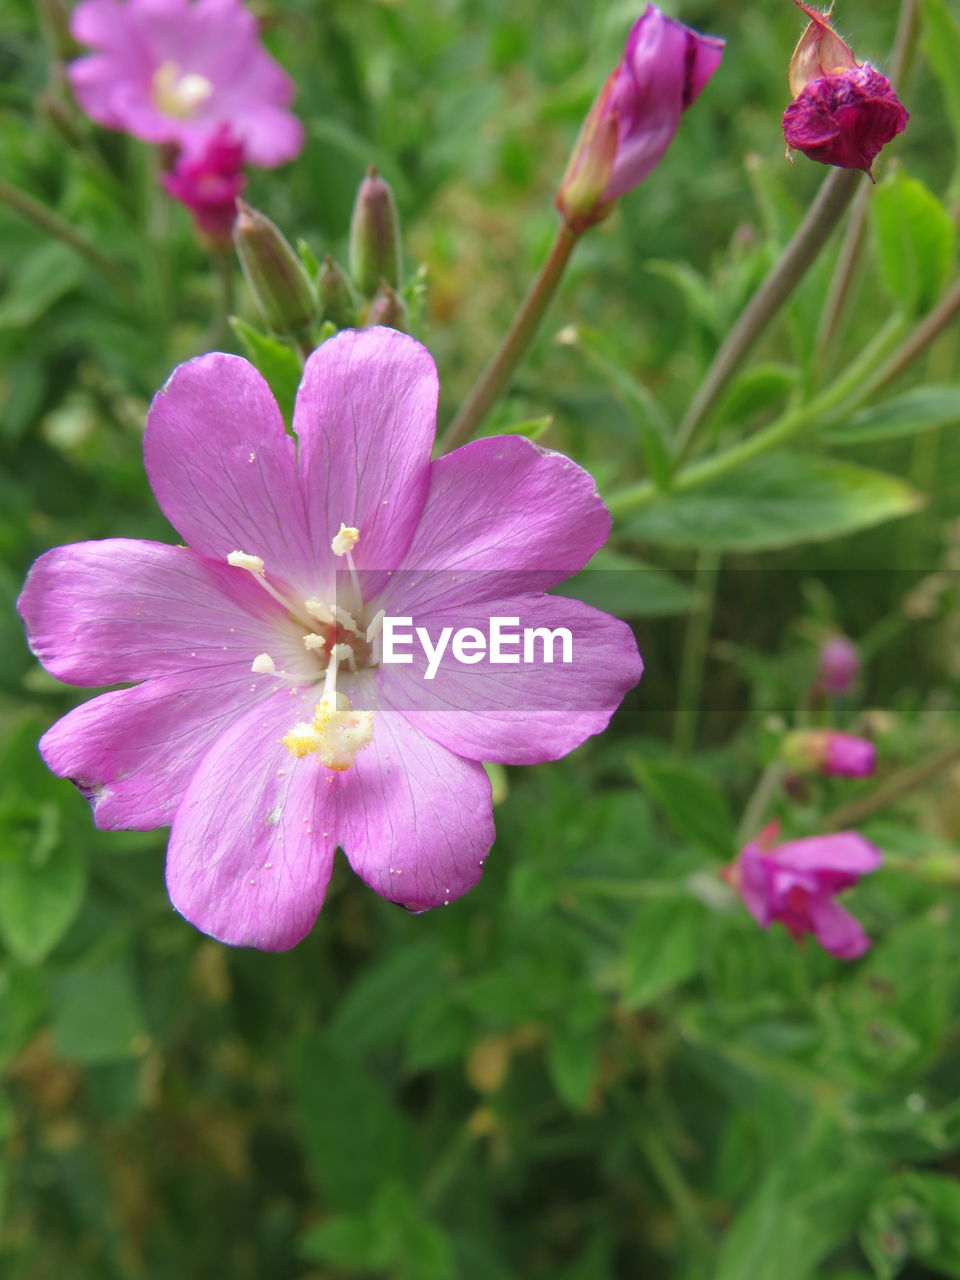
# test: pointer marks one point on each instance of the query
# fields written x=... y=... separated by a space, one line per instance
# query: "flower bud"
x=839 y=666
x=823 y=751
x=209 y=184
x=664 y=67
x=387 y=308
x=338 y=302
x=844 y=112
x=273 y=272
x=374 y=236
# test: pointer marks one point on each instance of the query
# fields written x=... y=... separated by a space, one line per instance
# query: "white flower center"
x=179 y=95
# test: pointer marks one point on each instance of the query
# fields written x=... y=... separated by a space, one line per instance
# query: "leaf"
x=572 y=1055
x=777 y=500
x=662 y=948
x=386 y=996
x=917 y=410
x=628 y=588
x=915 y=240
x=532 y=429
x=278 y=363
x=694 y=807
x=649 y=418
x=40 y=280
x=96 y=1014
x=941 y=44
x=41 y=889
x=757 y=388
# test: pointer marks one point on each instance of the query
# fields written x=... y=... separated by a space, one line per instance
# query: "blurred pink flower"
x=209 y=185
x=844 y=112
x=796 y=882
x=664 y=67
x=171 y=71
x=839 y=665
x=825 y=751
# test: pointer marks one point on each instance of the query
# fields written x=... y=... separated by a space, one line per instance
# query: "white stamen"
x=345 y=540
x=179 y=95
x=346 y=620
x=317 y=609
x=375 y=626
x=313 y=641
x=263 y=665
x=240 y=560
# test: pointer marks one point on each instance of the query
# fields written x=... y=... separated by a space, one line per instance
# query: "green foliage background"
x=596 y=1065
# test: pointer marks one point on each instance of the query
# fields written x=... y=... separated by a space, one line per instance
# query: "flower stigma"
x=179 y=95
x=337 y=733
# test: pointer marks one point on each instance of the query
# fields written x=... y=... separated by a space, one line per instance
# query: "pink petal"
x=365 y=417
x=133 y=752
x=252 y=843
x=224 y=469
x=416 y=821
x=519 y=713
x=844 y=854
x=120 y=610
x=503 y=517
x=756 y=885
x=837 y=930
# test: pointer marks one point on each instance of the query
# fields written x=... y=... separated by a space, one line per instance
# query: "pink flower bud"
x=844 y=112
x=209 y=184
x=823 y=751
x=663 y=69
x=796 y=883
x=839 y=665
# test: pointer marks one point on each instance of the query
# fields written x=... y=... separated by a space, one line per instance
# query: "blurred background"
x=595 y=1065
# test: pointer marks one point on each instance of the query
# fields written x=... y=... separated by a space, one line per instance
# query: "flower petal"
x=503 y=517
x=837 y=930
x=365 y=418
x=122 y=610
x=844 y=857
x=518 y=712
x=416 y=821
x=252 y=843
x=133 y=752
x=224 y=469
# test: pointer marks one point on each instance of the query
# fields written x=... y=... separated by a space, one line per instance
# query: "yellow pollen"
x=179 y=95
x=345 y=541
x=336 y=734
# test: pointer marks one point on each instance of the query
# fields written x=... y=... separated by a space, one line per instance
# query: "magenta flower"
x=170 y=71
x=209 y=185
x=664 y=67
x=839 y=666
x=844 y=112
x=796 y=882
x=827 y=752
x=261 y=724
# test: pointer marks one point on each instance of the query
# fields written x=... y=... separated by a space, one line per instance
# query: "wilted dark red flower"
x=209 y=183
x=844 y=112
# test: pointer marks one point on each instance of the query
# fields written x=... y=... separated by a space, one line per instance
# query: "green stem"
x=759 y=802
x=896 y=786
x=929 y=328
x=695 y=653
x=665 y=1168
x=44 y=218
x=490 y=384
x=604 y=887
x=836 y=192
x=223 y=261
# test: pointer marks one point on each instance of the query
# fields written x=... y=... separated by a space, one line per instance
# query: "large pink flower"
x=171 y=71
x=664 y=68
x=260 y=723
x=796 y=882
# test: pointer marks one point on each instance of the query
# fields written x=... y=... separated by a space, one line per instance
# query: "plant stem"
x=925 y=332
x=759 y=802
x=44 y=218
x=223 y=261
x=836 y=192
x=896 y=786
x=695 y=653
x=489 y=386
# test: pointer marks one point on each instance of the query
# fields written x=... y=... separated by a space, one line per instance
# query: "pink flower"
x=209 y=185
x=796 y=883
x=261 y=724
x=844 y=112
x=170 y=71
x=663 y=69
x=839 y=666
x=827 y=752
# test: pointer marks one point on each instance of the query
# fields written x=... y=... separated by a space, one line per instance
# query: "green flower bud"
x=388 y=308
x=338 y=302
x=273 y=272
x=374 y=236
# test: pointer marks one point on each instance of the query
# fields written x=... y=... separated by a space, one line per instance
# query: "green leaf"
x=572 y=1055
x=40 y=280
x=41 y=889
x=380 y=1004
x=628 y=588
x=662 y=948
x=96 y=1014
x=755 y=389
x=649 y=418
x=917 y=410
x=915 y=240
x=777 y=500
x=941 y=44
x=532 y=429
x=694 y=807
x=278 y=363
